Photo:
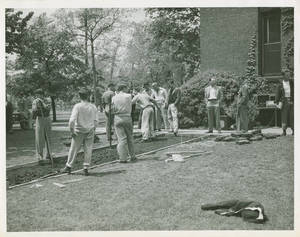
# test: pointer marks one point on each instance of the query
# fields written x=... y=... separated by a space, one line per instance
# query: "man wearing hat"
x=41 y=107
x=146 y=103
x=106 y=99
x=82 y=124
x=160 y=95
x=121 y=107
x=285 y=99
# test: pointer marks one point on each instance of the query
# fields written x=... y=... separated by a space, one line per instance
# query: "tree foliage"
x=15 y=29
x=48 y=61
x=176 y=35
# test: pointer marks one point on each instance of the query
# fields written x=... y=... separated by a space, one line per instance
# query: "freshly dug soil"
x=26 y=174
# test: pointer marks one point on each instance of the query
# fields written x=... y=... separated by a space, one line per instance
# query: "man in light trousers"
x=174 y=96
x=41 y=110
x=213 y=97
x=160 y=95
x=106 y=99
x=82 y=124
x=121 y=107
x=145 y=101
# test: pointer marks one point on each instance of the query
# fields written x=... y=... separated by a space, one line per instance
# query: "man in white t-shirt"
x=122 y=108
x=213 y=98
x=82 y=124
x=146 y=103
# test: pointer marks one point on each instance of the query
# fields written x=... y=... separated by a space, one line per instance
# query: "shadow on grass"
x=145 y=158
x=157 y=139
x=101 y=174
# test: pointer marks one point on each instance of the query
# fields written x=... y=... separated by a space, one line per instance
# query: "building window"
x=271 y=43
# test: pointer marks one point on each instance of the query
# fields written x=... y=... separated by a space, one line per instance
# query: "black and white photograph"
x=155 y=118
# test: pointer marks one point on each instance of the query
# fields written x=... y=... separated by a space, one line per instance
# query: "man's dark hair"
x=146 y=85
x=83 y=94
x=111 y=85
x=121 y=86
x=285 y=72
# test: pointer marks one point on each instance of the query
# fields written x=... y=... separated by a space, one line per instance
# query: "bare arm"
x=73 y=118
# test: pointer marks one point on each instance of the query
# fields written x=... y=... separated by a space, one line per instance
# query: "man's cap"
x=83 y=91
x=154 y=84
x=39 y=91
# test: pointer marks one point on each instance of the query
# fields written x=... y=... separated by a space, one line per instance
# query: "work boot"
x=146 y=140
x=44 y=162
x=122 y=161
x=133 y=159
x=67 y=169
x=86 y=172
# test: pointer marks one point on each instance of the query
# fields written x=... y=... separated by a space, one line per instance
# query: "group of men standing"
x=153 y=102
x=158 y=106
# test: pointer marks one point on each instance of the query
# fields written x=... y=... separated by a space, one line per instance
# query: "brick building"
x=225 y=35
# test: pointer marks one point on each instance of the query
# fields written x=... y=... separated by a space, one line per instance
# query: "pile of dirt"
x=27 y=173
x=242 y=138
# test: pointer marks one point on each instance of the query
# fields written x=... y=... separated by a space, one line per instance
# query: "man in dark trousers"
x=106 y=99
x=285 y=99
x=242 y=119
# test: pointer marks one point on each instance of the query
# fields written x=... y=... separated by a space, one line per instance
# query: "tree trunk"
x=86 y=38
x=53 y=108
x=113 y=61
x=94 y=70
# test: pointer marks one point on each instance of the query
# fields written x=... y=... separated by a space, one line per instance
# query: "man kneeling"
x=82 y=124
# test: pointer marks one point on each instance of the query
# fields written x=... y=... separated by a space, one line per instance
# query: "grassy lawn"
x=154 y=195
x=27 y=173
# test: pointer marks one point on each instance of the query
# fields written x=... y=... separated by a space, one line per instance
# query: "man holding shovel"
x=82 y=124
x=109 y=120
x=40 y=111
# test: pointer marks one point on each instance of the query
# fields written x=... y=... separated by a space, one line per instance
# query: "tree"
x=176 y=38
x=97 y=21
x=50 y=61
x=15 y=28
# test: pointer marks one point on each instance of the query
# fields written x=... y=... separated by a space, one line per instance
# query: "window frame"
x=262 y=15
